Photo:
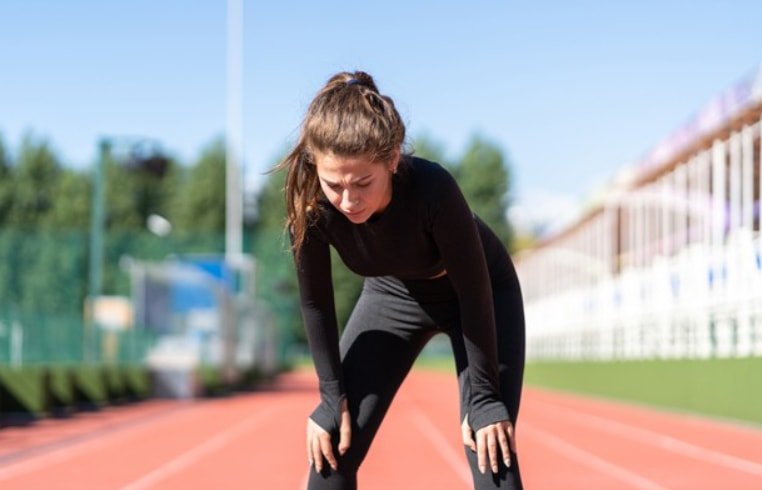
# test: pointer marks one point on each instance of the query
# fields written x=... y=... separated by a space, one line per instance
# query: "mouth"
x=353 y=213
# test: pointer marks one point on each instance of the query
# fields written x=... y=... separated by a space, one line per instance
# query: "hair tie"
x=352 y=81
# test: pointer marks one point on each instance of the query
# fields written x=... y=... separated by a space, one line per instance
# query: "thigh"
x=379 y=344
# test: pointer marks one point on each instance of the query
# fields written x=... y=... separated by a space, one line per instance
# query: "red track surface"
x=256 y=441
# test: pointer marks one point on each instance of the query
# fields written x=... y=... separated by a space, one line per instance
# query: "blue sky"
x=571 y=90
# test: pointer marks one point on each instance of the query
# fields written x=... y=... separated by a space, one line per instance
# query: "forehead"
x=334 y=168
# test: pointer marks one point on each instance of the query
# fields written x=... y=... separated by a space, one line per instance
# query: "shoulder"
x=433 y=189
x=420 y=168
x=428 y=178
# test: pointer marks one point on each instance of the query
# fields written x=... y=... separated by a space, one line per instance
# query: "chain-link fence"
x=46 y=317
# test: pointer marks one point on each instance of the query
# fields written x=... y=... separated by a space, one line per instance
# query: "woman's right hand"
x=319 y=440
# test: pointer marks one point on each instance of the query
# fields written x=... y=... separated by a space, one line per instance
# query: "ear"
x=395 y=161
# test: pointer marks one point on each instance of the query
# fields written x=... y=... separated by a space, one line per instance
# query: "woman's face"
x=356 y=186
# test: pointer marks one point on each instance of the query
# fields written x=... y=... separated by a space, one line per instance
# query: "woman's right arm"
x=319 y=315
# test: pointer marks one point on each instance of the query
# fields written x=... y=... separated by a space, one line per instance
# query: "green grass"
x=438 y=363
x=301 y=362
x=725 y=388
x=728 y=388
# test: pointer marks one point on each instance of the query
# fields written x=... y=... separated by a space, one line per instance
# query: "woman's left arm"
x=457 y=237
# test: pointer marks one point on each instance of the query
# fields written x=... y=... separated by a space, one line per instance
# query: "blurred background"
x=614 y=148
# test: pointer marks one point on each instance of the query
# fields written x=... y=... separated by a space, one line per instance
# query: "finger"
x=309 y=448
x=512 y=437
x=492 y=450
x=327 y=450
x=317 y=458
x=345 y=434
x=481 y=450
x=504 y=444
x=345 y=438
x=468 y=438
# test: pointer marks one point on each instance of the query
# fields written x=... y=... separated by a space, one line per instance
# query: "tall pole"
x=234 y=132
x=97 y=225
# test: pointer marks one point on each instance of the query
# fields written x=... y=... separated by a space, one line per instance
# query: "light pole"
x=97 y=225
x=234 y=133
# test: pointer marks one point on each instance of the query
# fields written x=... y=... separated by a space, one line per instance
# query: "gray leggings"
x=392 y=321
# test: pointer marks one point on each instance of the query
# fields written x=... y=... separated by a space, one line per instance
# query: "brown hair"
x=348 y=117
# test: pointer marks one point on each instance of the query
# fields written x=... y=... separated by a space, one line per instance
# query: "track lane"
x=270 y=456
x=726 y=439
x=116 y=459
x=256 y=440
x=659 y=446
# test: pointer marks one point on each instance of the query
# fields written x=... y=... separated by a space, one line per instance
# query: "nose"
x=349 y=200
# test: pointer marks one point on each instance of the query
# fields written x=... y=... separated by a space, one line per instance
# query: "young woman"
x=430 y=266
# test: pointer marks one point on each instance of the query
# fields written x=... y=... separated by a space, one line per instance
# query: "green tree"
x=55 y=272
x=70 y=209
x=199 y=204
x=35 y=177
x=271 y=202
x=137 y=182
x=427 y=147
x=42 y=247
x=484 y=179
x=6 y=183
x=152 y=180
x=156 y=179
x=276 y=275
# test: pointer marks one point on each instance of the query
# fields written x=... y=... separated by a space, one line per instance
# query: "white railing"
x=702 y=302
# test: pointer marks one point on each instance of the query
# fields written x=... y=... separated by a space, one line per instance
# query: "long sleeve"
x=319 y=316
x=457 y=238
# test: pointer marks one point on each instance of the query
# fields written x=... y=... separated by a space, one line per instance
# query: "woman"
x=430 y=266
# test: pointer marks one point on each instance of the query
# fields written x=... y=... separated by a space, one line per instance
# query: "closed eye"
x=338 y=187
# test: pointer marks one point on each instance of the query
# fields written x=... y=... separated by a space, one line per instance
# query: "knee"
x=506 y=477
x=349 y=462
x=346 y=471
x=330 y=479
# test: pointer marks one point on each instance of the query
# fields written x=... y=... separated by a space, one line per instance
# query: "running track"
x=256 y=441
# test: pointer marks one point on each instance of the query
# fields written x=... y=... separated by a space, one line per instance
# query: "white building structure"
x=668 y=262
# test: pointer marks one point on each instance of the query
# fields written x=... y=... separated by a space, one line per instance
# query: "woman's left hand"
x=488 y=439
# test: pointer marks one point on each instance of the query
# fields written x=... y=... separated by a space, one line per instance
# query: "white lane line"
x=68 y=451
x=437 y=439
x=657 y=439
x=589 y=459
x=188 y=458
x=440 y=443
x=95 y=432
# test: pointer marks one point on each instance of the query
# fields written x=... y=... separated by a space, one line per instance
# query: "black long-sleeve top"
x=425 y=229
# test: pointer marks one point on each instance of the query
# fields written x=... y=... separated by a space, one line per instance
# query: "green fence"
x=44 y=284
x=38 y=337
